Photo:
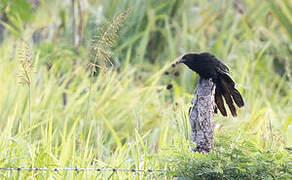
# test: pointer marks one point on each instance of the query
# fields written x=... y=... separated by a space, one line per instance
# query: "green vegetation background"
x=68 y=113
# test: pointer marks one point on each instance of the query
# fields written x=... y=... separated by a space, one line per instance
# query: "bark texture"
x=201 y=116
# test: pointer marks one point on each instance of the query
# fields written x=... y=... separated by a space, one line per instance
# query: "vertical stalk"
x=88 y=98
x=73 y=22
x=29 y=110
x=80 y=27
x=271 y=132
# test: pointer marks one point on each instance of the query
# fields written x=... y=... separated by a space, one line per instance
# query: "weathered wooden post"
x=201 y=116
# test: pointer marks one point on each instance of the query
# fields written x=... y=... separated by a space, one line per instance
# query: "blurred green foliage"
x=14 y=8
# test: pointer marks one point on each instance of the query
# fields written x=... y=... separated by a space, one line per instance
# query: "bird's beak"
x=181 y=61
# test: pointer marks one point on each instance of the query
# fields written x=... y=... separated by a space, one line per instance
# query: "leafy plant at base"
x=234 y=157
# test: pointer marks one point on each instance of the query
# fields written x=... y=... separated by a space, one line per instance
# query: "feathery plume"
x=101 y=44
x=26 y=63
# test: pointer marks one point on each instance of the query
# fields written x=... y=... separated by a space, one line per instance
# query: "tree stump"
x=201 y=116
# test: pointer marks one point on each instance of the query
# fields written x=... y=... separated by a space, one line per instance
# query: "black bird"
x=208 y=66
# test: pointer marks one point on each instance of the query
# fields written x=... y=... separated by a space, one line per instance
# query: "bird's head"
x=188 y=59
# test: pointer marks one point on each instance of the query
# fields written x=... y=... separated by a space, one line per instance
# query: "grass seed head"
x=25 y=62
x=102 y=44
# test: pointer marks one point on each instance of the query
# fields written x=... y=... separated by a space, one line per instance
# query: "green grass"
x=232 y=158
x=130 y=120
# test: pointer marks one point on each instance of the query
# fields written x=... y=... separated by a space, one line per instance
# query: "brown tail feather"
x=219 y=101
x=226 y=87
x=227 y=78
x=231 y=86
x=237 y=97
